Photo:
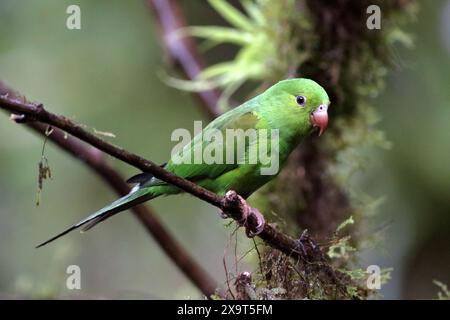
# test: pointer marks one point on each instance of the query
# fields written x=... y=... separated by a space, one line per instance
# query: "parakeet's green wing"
x=244 y=117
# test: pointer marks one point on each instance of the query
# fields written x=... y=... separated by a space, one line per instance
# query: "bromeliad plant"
x=265 y=47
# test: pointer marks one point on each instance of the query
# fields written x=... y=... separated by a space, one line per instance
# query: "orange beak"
x=319 y=118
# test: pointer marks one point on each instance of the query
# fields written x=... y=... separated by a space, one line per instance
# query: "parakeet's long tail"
x=130 y=200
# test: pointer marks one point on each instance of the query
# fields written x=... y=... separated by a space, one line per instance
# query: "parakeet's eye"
x=301 y=100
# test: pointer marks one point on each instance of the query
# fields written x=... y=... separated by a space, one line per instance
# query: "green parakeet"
x=289 y=110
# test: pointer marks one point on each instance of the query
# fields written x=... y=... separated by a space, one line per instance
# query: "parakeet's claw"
x=246 y=216
x=255 y=223
x=236 y=207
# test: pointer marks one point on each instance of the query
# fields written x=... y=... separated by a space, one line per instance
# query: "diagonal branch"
x=30 y=112
x=96 y=162
x=182 y=50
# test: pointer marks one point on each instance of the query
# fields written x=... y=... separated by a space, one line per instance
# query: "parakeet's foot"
x=238 y=209
x=255 y=223
x=234 y=206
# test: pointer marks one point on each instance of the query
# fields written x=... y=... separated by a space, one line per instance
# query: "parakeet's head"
x=300 y=104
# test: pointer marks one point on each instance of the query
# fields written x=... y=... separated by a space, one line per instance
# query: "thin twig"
x=224 y=260
x=227 y=277
x=261 y=269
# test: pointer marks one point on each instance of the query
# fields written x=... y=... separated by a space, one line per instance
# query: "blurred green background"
x=106 y=76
